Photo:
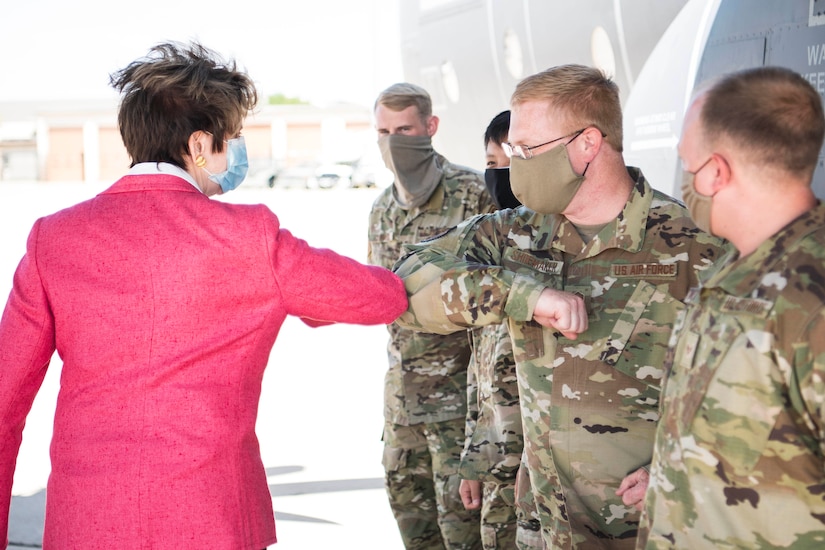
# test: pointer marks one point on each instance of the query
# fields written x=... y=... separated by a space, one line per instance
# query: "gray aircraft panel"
x=653 y=113
x=643 y=25
x=470 y=54
x=743 y=34
x=467 y=50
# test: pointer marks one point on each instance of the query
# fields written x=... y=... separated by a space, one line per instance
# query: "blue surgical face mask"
x=237 y=165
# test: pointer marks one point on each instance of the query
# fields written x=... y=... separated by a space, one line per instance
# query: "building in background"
x=79 y=140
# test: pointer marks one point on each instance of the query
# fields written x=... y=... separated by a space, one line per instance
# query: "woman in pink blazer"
x=164 y=306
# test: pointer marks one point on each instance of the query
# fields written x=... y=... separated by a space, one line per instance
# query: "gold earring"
x=200 y=162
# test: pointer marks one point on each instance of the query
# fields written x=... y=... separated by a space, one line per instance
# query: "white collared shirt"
x=144 y=168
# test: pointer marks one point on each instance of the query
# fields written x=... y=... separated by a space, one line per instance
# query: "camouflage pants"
x=498 y=517
x=528 y=534
x=505 y=525
x=421 y=467
x=529 y=538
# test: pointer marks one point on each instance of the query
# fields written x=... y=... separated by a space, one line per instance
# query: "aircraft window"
x=513 y=58
x=601 y=50
x=450 y=80
x=817 y=15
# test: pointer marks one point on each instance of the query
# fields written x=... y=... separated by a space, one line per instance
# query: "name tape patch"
x=551 y=267
x=643 y=270
x=755 y=306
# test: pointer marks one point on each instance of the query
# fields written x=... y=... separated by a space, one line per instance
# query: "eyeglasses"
x=526 y=152
x=694 y=172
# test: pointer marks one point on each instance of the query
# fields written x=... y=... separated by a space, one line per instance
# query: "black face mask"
x=498 y=185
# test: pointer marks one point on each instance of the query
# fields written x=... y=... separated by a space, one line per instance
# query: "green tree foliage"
x=281 y=99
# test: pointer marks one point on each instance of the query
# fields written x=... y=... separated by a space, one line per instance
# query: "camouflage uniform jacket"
x=427 y=376
x=495 y=438
x=589 y=406
x=740 y=451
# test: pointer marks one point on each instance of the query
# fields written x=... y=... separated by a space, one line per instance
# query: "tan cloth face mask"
x=698 y=205
x=412 y=160
x=545 y=183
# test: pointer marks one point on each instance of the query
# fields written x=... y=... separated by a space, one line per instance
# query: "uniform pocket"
x=528 y=340
x=638 y=342
x=394 y=458
x=735 y=392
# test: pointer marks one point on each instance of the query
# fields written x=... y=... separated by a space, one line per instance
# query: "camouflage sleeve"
x=485 y=203
x=810 y=373
x=455 y=281
x=370 y=259
x=472 y=403
x=472 y=387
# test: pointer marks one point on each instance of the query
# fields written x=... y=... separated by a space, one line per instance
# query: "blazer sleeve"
x=26 y=346
x=324 y=287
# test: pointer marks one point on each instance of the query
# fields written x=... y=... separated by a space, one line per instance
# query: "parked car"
x=368 y=173
x=328 y=176
x=300 y=176
x=262 y=176
x=315 y=175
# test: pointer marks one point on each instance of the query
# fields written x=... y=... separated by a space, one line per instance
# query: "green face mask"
x=545 y=183
x=698 y=205
x=413 y=162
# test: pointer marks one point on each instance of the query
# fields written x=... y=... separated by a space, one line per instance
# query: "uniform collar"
x=626 y=232
x=743 y=276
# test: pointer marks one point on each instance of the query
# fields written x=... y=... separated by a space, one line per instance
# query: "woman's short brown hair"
x=174 y=91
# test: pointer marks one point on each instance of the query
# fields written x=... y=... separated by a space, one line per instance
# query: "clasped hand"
x=563 y=311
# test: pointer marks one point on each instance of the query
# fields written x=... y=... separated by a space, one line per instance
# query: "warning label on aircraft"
x=802 y=50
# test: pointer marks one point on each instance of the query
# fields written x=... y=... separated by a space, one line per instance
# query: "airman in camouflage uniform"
x=589 y=310
x=425 y=399
x=493 y=449
x=739 y=457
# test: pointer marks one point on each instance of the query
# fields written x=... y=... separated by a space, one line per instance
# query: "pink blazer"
x=164 y=306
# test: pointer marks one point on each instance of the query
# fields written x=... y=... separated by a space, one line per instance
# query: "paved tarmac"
x=320 y=415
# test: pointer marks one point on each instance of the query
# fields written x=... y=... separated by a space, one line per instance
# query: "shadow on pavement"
x=27 y=513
